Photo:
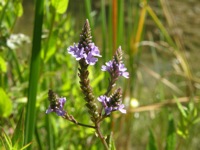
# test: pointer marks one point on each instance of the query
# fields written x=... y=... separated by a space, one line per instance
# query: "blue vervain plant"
x=86 y=54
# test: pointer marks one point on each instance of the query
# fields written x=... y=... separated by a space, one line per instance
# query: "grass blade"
x=6 y=141
x=152 y=142
x=171 y=135
x=34 y=72
x=18 y=136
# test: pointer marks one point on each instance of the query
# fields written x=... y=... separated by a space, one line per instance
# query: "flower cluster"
x=116 y=67
x=112 y=103
x=56 y=104
x=89 y=53
x=85 y=49
x=86 y=53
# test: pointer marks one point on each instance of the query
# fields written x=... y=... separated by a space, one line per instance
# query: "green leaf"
x=181 y=108
x=18 y=136
x=152 y=142
x=27 y=145
x=171 y=135
x=5 y=104
x=51 y=48
x=98 y=79
x=60 y=5
x=3 y=67
x=5 y=139
x=19 y=8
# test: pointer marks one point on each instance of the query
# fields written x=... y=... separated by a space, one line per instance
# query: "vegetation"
x=161 y=95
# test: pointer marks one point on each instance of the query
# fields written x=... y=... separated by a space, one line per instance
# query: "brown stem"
x=101 y=136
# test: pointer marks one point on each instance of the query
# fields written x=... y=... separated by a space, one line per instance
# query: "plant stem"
x=72 y=119
x=101 y=136
x=85 y=125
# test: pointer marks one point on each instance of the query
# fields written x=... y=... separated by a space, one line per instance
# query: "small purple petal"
x=76 y=52
x=108 y=110
x=101 y=98
x=62 y=102
x=90 y=59
x=122 y=71
x=60 y=112
x=121 y=109
x=58 y=107
x=94 y=50
x=49 y=110
x=108 y=67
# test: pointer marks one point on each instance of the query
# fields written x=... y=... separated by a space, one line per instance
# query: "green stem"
x=85 y=125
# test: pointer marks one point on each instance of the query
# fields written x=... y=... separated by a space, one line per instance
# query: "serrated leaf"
x=152 y=142
x=60 y=5
x=5 y=104
x=171 y=135
x=18 y=136
x=5 y=139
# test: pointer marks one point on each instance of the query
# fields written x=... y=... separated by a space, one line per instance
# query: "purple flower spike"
x=58 y=107
x=114 y=68
x=89 y=53
x=110 y=105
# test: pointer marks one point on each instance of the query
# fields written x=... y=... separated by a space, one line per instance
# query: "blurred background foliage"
x=159 y=39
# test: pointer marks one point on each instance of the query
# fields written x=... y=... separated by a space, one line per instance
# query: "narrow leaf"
x=51 y=46
x=5 y=104
x=152 y=142
x=18 y=136
x=181 y=109
x=171 y=135
x=3 y=67
x=34 y=72
x=5 y=139
x=111 y=142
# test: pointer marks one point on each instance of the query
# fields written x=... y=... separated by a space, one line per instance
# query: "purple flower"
x=57 y=107
x=89 y=53
x=110 y=105
x=116 y=69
